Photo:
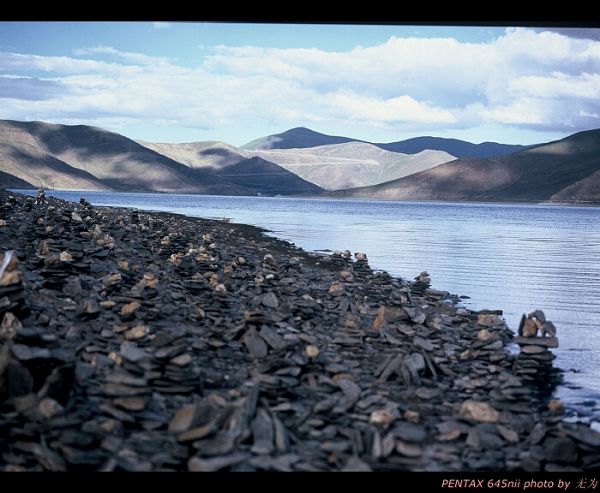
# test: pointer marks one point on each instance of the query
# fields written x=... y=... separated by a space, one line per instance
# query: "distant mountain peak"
x=298 y=137
x=303 y=137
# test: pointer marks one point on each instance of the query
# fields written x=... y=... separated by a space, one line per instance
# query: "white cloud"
x=524 y=78
x=398 y=109
x=161 y=25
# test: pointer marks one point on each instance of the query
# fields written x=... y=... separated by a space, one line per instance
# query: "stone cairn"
x=534 y=362
x=421 y=284
x=40 y=197
x=12 y=294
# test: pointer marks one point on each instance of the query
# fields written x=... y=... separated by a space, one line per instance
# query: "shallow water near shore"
x=504 y=256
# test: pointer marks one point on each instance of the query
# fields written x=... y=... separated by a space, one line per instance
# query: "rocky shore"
x=154 y=342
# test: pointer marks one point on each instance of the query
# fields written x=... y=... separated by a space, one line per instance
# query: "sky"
x=185 y=82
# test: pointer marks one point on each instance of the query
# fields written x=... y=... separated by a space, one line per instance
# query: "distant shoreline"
x=325 y=197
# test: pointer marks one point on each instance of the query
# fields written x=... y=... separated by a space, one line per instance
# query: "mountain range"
x=90 y=158
x=301 y=162
x=304 y=137
x=332 y=167
x=566 y=170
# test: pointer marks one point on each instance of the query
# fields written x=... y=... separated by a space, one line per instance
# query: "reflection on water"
x=504 y=256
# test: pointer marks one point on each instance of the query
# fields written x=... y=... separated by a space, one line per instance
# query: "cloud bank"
x=545 y=81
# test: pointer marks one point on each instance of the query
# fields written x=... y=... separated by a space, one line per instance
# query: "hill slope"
x=303 y=137
x=351 y=164
x=458 y=148
x=114 y=160
x=9 y=181
x=236 y=166
x=567 y=169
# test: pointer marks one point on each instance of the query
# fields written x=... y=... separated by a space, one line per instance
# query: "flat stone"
x=129 y=309
x=561 y=450
x=549 y=342
x=351 y=393
x=533 y=349
x=427 y=393
x=193 y=415
x=131 y=352
x=509 y=435
x=423 y=343
x=410 y=432
x=198 y=464
x=26 y=353
x=131 y=403
x=272 y=338
x=478 y=411
x=262 y=433
x=270 y=300
x=381 y=417
x=255 y=344
x=408 y=449
x=355 y=464
x=48 y=408
x=489 y=320
x=182 y=360
x=137 y=332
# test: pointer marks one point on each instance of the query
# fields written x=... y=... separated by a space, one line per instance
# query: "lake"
x=512 y=257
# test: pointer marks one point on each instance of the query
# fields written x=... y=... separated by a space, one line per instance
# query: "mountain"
x=303 y=137
x=83 y=157
x=563 y=170
x=90 y=158
x=458 y=148
x=9 y=181
x=293 y=138
x=350 y=164
x=226 y=161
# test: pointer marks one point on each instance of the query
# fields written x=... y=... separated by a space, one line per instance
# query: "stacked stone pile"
x=534 y=363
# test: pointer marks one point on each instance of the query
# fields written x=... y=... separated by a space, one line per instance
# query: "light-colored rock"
x=484 y=335
x=48 y=408
x=129 y=309
x=381 y=417
x=479 y=411
x=488 y=320
x=312 y=351
x=137 y=332
x=533 y=349
x=530 y=328
x=336 y=288
x=182 y=360
x=9 y=326
x=555 y=405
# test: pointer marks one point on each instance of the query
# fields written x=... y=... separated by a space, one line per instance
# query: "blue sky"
x=182 y=82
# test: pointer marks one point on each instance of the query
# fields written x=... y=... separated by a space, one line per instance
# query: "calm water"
x=511 y=257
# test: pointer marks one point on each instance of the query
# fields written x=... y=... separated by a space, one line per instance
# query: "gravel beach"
x=138 y=341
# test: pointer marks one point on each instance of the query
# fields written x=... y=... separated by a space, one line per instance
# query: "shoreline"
x=323 y=197
x=193 y=344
